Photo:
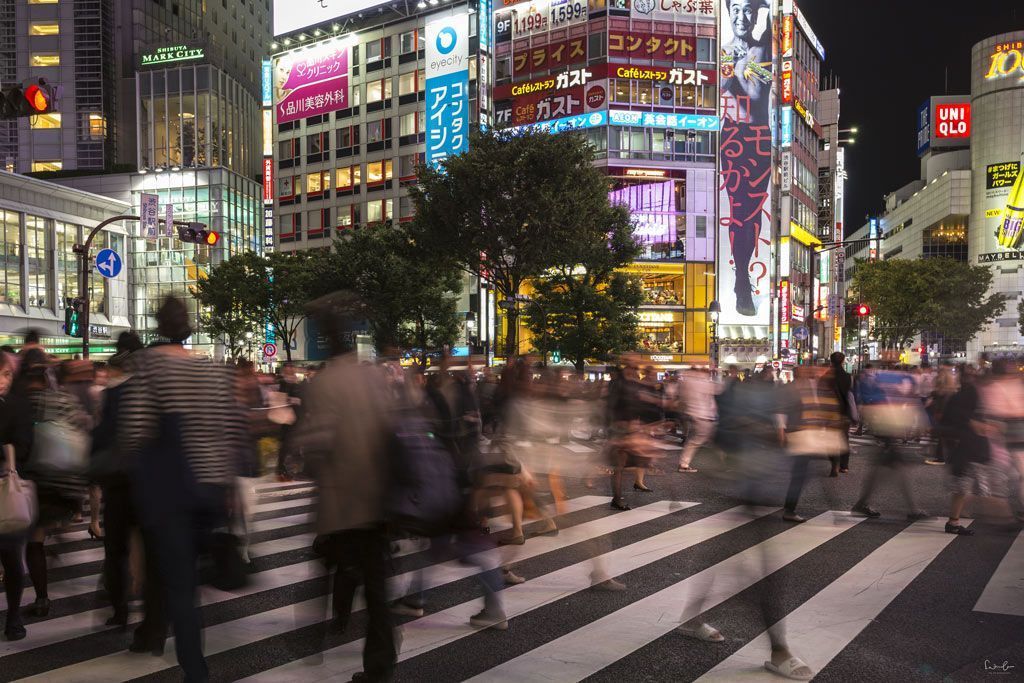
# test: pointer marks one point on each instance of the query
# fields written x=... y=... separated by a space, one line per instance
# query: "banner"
x=447 y=87
x=149 y=206
x=311 y=82
x=745 y=186
x=672 y=9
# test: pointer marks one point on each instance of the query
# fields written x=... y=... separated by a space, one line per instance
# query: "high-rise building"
x=157 y=97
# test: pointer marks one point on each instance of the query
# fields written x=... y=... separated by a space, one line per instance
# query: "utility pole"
x=83 y=275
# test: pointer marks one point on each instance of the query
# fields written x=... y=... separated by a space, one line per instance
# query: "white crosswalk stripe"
x=660 y=538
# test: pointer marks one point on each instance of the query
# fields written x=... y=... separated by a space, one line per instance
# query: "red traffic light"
x=863 y=310
x=37 y=98
x=212 y=237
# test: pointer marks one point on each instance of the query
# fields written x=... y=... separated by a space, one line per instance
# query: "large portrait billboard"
x=311 y=82
x=745 y=186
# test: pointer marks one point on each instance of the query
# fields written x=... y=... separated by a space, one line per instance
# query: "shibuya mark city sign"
x=172 y=53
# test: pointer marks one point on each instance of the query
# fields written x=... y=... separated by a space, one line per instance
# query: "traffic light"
x=73 y=317
x=34 y=97
x=862 y=310
x=198 y=234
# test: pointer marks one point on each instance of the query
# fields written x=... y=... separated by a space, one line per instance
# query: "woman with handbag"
x=56 y=462
x=17 y=500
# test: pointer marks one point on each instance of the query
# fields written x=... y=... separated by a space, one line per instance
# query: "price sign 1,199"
x=529 y=22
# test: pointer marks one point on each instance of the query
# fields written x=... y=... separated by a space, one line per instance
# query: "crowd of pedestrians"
x=160 y=449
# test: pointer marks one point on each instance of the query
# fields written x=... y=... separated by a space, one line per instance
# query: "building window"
x=407 y=42
x=378 y=171
x=421 y=80
x=318 y=183
x=317 y=221
x=43 y=121
x=348 y=177
x=348 y=216
x=35 y=250
x=44 y=59
x=700 y=227
x=348 y=136
x=405 y=208
x=407 y=165
x=42 y=166
x=43 y=28
x=407 y=83
x=378 y=211
x=10 y=277
x=287 y=187
x=409 y=124
x=289 y=150
x=317 y=143
x=373 y=51
x=291 y=226
x=378 y=130
x=97 y=126
x=377 y=91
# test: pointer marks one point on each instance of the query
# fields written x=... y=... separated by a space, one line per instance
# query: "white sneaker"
x=489 y=619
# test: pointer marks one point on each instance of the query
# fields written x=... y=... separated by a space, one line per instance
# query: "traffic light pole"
x=83 y=275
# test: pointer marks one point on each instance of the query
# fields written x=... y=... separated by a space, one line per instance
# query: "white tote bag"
x=17 y=500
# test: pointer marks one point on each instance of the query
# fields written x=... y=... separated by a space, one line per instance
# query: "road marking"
x=820 y=628
x=574 y=656
x=253 y=628
x=441 y=628
x=1004 y=592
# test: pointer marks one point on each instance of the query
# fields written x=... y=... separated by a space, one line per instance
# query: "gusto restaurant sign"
x=1006 y=60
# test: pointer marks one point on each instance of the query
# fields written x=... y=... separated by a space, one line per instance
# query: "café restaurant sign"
x=172 y=53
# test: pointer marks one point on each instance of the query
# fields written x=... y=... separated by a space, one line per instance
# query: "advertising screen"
x=311 y=82
x=447 y=87
x=653 y=208
x=745 y=211
x=293 y=15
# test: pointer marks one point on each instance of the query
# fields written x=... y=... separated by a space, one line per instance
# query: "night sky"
x=889 y=56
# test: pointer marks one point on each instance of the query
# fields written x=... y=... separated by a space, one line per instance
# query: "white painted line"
x=1004 y=592
x=822 y=627
x=587 y=650
x=251 y=629
x=439 y=629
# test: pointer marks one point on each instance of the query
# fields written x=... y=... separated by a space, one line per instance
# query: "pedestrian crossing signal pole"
x=82 y=250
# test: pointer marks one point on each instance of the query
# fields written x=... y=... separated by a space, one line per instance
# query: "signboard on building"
x=149 y=206
x=172 y=53
x=787 y=171
x=785 y=302
x=745 y=209
x=447 y=87
x=293 y=15
x=943 y=122
x=1001 y=176
x=953 y=120
x=541 y=59
x=311 y=82
x=646 y=119
x=924 y=127
x=1006 y=60
x=669 y=10
x=268 y=228
x=267 y=83
x=656 y=46
x=268 y=180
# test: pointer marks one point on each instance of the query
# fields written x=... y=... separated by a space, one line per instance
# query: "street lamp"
x=714 y=310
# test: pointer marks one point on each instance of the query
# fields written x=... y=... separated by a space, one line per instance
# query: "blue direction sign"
x=108 y=263
x=801 y=333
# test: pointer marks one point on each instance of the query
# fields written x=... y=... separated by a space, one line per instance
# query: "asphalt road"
x=858 y=600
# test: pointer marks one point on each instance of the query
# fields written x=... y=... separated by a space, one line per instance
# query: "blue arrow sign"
x=801 y=333
x=108 y=263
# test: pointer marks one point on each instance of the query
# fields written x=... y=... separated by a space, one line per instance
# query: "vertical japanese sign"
x=149 y=206
x=268 y=180
x=745 y=184
x=169 y=219
x=267 y=83
x=447 y=87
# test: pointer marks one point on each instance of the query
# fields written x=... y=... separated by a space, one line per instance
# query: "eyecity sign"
x=173 y=53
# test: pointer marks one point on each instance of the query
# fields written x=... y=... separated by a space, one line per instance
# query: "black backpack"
x=423 y=497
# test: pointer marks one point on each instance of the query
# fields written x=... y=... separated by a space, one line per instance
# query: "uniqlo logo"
x=953 y=120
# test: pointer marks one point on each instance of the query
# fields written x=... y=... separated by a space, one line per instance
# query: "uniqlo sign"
x=952 y=120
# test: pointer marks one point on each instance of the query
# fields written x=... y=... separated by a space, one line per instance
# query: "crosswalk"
x=836 y=581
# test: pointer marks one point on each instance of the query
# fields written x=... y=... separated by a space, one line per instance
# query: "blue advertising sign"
x=649 y=119
x=786 y=124
x=447 y=87
x=108 y=263
x=924 y=127
x=268 y=83
x=484 y=29
x=578 y=122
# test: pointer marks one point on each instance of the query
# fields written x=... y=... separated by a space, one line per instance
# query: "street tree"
x=585 y=307
x=228 y=308
x=408 y=300
x=941 y=296
x=507 y=209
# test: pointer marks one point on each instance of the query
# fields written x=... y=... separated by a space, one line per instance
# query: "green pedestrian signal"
x=556 y=356
x=73 y=317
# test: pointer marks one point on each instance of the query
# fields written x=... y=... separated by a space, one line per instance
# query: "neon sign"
x=174 y=53
x=1006 y=60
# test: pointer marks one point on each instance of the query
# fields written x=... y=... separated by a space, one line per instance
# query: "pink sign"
x=311 y=83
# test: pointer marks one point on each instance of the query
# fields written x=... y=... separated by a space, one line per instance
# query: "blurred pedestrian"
x=15 y=439
x=840 y=384
x=184 y=453
x=698 y=398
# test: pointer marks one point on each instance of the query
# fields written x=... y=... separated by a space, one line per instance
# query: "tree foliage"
x=584 y=307
x=509 y=208
x=228 y=311
x=942 y=296
x=408 y=300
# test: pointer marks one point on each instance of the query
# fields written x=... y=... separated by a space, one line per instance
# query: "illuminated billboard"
x=953 y=120
x=294 y=15
x=447 y=87
x=669 y=10
x=311 y=82
x=745 y=210
x=943 y=122
x=653 y=209
x=1006 y=60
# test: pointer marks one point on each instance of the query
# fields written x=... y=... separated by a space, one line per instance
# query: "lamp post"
x=714 y=310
